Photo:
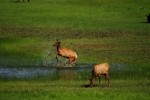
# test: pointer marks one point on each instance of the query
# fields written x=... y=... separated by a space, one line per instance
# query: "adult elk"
x=98 y=70
x=65 y=52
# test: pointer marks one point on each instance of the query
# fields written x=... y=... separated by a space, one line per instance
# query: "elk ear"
x=58 y=41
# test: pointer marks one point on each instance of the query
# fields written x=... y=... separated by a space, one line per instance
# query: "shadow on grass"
x=19 y=1
x=15 y=1
x=88 y=86
x=145 y=22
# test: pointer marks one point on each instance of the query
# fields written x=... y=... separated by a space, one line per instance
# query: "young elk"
x=98 y=70
x=65 y=52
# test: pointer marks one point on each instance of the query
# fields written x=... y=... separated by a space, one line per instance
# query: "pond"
x=63 y=72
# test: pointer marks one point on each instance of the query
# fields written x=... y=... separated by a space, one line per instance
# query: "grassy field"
x=113 y=31
x=105 y=30
x=75 y=90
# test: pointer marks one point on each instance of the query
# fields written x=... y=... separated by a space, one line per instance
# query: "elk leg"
x=70 y=61
x=91 y=82
x=99 y=80
x=58 y=60
x=108 y=79
x=105 y=78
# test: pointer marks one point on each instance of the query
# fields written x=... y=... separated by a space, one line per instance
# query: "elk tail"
x=76 y=56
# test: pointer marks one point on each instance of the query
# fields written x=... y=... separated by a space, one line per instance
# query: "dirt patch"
x=48 y=32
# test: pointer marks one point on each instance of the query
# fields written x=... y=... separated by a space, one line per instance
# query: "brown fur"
x=66 y=53
x=98 y=70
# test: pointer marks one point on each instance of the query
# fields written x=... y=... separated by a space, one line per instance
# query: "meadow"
x=112 y=31
x=66 y=90
x=106 y=30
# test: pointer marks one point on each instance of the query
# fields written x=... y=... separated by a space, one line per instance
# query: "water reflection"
x=24 y=72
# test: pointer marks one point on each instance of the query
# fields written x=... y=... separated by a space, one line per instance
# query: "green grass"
x=113 y=31
x=113 y=50
x=98 y=30
x=94 y=14
x=37 y=90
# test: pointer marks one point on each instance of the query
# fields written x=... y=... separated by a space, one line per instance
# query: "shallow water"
x=34 y=72
x=24 y=72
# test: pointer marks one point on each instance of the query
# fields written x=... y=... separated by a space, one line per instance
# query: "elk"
x=65 y=52
x=98 y=70
x=148 y=18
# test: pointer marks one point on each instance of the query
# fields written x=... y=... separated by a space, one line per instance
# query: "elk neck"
x=58 y=47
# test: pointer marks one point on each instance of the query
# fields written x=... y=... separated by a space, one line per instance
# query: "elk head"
x=91 y=82
x=57 y=44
